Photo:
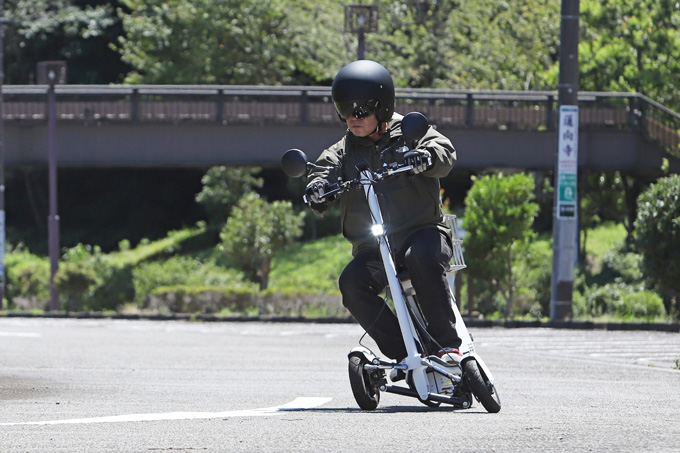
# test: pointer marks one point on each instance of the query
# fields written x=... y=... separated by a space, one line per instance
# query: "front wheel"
x=484 y=391
x=365 y=395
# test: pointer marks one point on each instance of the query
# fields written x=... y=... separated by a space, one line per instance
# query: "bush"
x=110 y=286
x=499 y=212
x=244 y=301
x=621 y=301
x=183 y=270
x=643 y=304
x=657 y=232
x=28 y=280
x=533 y=268
x=626 y=266
x=256 y=231
x=73 y=281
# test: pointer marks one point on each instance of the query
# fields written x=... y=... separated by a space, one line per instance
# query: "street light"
x=52 y=73
x=361 y=19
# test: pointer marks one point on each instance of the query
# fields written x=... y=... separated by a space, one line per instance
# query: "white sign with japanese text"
x=567 y=162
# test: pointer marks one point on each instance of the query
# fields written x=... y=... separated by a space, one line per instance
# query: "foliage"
x=73 y=280
x=110 y=286
x=40 y=30
x=631 y=45
x=182 y=270
x=282 y=301
x=173 y=242
x=601 y=197
x=256 y=231
x=205 y=41
x=28 y=277
x=88 y=279
x=462 y=44
x=657 y=233
x=532 y=267
x=498 y=217
x=620 y=301
x=223 y=187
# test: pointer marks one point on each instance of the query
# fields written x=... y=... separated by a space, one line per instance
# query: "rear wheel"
x=484 y=391
x=359 y=379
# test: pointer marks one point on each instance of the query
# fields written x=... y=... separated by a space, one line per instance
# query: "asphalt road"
x=142 y=386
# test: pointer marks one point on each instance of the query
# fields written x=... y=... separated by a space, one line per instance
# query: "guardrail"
x=501 y=110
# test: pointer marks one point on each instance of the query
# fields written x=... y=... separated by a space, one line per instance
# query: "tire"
x=364 y=394
x=484 y=391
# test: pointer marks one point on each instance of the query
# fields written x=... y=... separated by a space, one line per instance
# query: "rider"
x=363 y=94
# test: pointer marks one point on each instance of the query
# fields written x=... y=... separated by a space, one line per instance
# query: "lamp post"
x=361 y=19
x=52 y=73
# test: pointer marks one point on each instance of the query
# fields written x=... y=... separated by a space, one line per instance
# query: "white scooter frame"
x=426 y=374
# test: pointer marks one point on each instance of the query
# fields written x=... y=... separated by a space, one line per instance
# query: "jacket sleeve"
x=331 y=159
x=442 y=151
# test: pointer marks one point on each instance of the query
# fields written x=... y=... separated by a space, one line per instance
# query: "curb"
x=470 y=322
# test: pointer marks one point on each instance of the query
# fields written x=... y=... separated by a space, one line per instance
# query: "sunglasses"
x=357 y=109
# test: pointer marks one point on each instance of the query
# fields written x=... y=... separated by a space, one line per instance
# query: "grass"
x=601 y=240
x=314 y=265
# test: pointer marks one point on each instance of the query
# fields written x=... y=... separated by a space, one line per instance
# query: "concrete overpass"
x=201 y=126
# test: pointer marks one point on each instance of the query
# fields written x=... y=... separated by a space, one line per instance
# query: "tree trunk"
x=470 y=294
x=632 y=189
x=264 y=273
x=510 y=291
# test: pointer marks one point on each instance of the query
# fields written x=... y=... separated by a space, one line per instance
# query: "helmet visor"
x=357 y=109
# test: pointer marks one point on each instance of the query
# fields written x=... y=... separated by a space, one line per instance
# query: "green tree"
x=657 y=233
x=205 y=41
x=223 y=187
x=430 y=43
x=77 y=31
x=499 y=212
x=631 y=45
x=464 y=44
x=256 y=231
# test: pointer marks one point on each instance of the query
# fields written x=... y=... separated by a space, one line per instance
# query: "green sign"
x=567 y=188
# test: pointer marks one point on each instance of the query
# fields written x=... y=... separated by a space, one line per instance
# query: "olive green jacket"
x=409 y=202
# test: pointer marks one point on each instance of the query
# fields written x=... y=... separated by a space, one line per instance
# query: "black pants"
x=426 y=255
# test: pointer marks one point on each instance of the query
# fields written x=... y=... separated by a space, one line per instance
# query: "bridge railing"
x=504 y=110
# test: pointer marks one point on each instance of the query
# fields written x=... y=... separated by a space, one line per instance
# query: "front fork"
x=413 y=361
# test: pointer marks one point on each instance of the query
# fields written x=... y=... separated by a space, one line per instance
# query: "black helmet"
x=363 y=88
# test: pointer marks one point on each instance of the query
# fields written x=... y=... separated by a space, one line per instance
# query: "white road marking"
x=20 y=334
x=295 y=405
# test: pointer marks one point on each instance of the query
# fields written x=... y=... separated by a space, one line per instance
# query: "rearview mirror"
x=414 y=126
x=294 y=163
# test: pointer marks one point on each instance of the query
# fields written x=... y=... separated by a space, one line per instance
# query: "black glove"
x=419 y=159
x=316 y=190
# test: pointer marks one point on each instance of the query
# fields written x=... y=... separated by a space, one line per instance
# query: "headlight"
x=377 y=230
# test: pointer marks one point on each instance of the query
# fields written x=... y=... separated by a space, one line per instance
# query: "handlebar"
x=367 y=176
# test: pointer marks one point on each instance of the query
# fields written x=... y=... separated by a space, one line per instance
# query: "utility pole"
x=2 y=158
x=565 y=221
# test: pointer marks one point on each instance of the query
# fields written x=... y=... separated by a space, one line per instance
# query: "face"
x=362 y=127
